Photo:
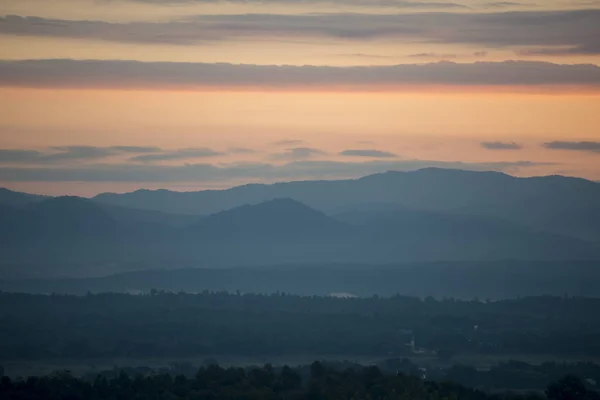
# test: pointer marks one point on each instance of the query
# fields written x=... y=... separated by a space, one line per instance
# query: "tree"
x=568 y=388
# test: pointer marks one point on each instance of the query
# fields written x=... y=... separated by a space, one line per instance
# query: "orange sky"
x=420 y=122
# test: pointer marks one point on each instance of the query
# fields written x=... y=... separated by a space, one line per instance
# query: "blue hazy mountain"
x=555 y=204
x=75 y=236
x=274 y=218
x=18 y=199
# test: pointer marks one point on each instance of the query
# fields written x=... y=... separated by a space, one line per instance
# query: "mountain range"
x=552 y=203
x=421 y=216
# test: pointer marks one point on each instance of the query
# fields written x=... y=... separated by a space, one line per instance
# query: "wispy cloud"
x=289 y=142
x=137 y=149
x=298 y=153
x=57 y=154
x=135 y=74
x=505 y=4
x=18 y=156
x=179 y=154
x=584 y=49
x=577 y=30
x=362 y=3
x=501 y=145
x=364 y=55
x=241 y=150
x=367 y=153
x=593 y=147
x=65 y=153
x=434 y=55
x=236 y=172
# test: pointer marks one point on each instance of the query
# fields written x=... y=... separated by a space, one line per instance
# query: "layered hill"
x=554 y=204
x=70 y=236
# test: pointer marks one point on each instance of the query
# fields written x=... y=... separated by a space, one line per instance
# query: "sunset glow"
x=273 y=86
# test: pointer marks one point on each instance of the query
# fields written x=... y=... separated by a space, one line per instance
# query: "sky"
x=117 y=95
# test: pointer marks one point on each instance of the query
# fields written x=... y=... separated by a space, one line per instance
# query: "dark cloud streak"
x=156 y=75
x=367 y=153
x=179 y=154
x=58 y=154
x=433 y=55
x=18 y=156
x=137 y=149
x=501 y=145
x=288 y=142
x=585 y=146
x=241 y=150
x=577 y=30
x=298 y=153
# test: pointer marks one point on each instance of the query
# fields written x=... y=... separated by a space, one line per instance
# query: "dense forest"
x=214 y=382
x=162 y=324
x=505 y=376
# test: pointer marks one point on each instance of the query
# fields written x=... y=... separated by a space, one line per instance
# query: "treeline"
x=464 y=280
x=506 y=376
x=182 y=325
x=515 y=375
x=214 y=382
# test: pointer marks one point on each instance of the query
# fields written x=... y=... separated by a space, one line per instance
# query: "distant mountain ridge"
x=18 y=199
x=555 y=204
x=279 y=217
x=70 y=236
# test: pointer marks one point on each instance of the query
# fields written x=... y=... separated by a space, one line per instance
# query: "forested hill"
x=175 y=325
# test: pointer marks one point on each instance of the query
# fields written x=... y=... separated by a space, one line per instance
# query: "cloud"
x=156 y=75
x=584 y=49
x=297 y=153
x=361 y=3
x=79 y=153
x=18 y=156
x=593 y=147
x=501 y=145
x=59 y=154
x=447 y=56
x=235 y=172
x=137 y=149
x=363 y=55
x=577 y=30
x=288 y=142
x=180 y=154
x=433 y=55
x=367 y=153
x=241 y=150
x=504 y=4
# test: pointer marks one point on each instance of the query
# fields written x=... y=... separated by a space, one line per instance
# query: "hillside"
x=69 y=236
x=555 y=204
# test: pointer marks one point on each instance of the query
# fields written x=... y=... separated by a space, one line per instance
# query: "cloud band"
x=68 y=73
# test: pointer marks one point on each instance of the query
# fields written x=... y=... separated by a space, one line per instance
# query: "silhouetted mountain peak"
x=281 y=208
x=434 y=173
x=284 y=205
x=279 y=216
x=17 y=199
x=73 y=203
